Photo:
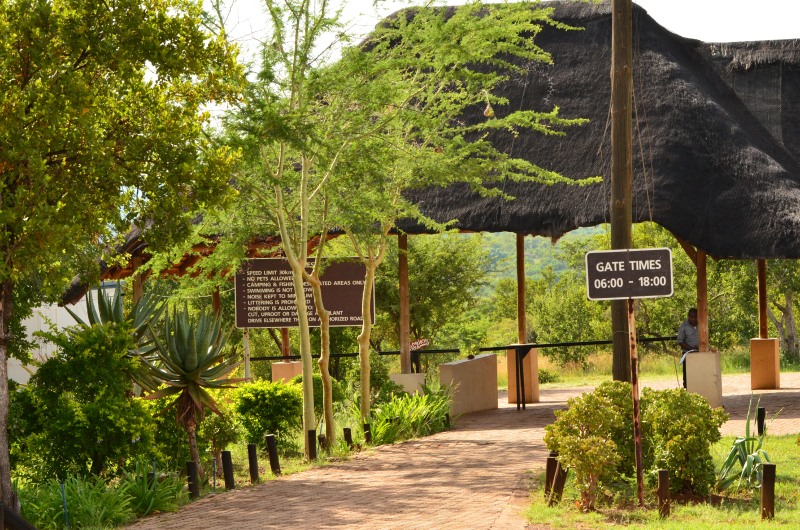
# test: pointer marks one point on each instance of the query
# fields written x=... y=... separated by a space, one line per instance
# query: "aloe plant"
x=190 y=360
x=747 y=452
x=110 y=309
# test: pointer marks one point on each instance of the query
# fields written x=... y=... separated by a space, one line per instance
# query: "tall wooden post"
x=762 y=299
x=702 y=301
x=637 y=424
x=138 y=280
x=216 y=302
x=286 y=347
x=522 y=327
x=246 y=346
x=405 y=304
x=621 y=167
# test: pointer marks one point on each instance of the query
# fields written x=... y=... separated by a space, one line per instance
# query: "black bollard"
x=558 y=485
x=367 y=433
x=768 y=491
x=761 y=415
x=272 y=450
x=194 y=482
x=550 y=473
x=664 y=500
x=447 y=420
x=252 y=458
x=348 y=437
x=227 y=470
x=312 y=444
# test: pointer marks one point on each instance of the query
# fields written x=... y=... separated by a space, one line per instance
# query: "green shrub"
x=678 y=429
x=149 y=496
x=546 y=376
x=410 y=416
x=589 y=434
x=170 y=446
x=269 y=408
x=91 y=503
x=338 y=390
x=78 y=415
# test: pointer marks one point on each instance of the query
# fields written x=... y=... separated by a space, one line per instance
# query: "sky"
x=708 y=20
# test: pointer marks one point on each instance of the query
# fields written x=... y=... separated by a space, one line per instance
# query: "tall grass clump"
x=408 y=416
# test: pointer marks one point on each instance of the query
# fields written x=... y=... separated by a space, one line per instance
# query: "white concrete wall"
x=475 y=382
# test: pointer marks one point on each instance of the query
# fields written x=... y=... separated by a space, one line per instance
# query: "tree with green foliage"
x=190 y=361
x=101 y=125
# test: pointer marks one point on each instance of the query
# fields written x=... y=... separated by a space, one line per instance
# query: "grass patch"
x=739 y=510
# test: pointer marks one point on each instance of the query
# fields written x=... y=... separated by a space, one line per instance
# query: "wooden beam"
x=405 y=304
x=689 y=249
x=762 y=299
x=702 y=301
x=522 y=328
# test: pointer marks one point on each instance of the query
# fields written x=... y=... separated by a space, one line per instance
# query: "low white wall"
x=475 y=382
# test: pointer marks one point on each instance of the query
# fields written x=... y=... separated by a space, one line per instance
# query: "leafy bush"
x=78 y=414
x=148 y=496
x=91 y=503
x=594 y=437
x=170 y=445
x=269 y=408
x=546 y=376
x=410 y=416
x=678 y=429
x=338 y=390
x=589 y=434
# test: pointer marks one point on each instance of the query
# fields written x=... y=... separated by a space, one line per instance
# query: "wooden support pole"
x=768 y=491
x=663 y=493
x=405 y=304
x=216 y=303
x=138 y=279
x=286 y=347
x=637 y=424
x=246 y=347
x=522 y=326
x=702 y=301
x=621 y=165
x=762 y=299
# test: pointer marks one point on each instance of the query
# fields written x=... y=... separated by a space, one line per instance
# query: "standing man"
x=688 y=339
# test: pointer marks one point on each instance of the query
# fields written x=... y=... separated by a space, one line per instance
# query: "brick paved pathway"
x=474 y=476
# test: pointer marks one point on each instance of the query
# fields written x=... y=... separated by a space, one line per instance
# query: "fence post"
x=194 y=482
x=64 y=501
x=550 y=472
x=761 y=415
x=312 y=444
x=663 y=493
x=348 y=437
x=367 y=433
x=227 y=470
x=558 y=484
x=252 y=459
x=272 y=450
x=768 y=491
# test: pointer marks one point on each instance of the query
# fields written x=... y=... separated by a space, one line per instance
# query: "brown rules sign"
x=265 y=294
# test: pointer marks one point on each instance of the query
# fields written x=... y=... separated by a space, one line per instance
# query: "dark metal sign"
x=265 y=294
x=629 y=273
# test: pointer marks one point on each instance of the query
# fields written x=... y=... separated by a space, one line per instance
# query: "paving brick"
x=472 y=477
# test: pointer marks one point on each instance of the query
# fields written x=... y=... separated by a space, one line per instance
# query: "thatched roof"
x=705 y=167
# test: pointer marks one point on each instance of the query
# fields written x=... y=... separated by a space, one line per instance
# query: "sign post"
x=629 y=274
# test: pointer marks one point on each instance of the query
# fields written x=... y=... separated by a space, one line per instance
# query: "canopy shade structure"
x=718 y=174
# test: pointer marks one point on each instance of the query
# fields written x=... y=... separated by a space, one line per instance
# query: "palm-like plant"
x=190 y=361
x=110 y=309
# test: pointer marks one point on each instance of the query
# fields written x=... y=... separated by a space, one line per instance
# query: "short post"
x=768 y=491
x=272 y=450
x=348 y=437
x=194 y=482
x=550 y=472
x=63 y=502
x=367 y=433
x=312 y=444
x=761 y=415
x=558 y=485
x=227 y=470
x=663 y=493
x=252 y=458
x=447 y=420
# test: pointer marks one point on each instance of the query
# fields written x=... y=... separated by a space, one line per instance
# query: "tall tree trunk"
x=309 y=421
x=324 y=358
x=364 y=336
x=787 y=327
x=191 y=431
x=6 y=312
